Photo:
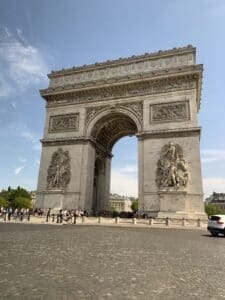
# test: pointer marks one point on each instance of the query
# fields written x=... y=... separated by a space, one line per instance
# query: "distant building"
x=217 y=199
x=119 y=203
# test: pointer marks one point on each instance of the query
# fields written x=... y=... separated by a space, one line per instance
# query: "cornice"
x=118 y=80
x=181 y=132
x=74 y=141
x=123 y=61
x=110 y=89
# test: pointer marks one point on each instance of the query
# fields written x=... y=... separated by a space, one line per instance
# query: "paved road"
x=90 y=262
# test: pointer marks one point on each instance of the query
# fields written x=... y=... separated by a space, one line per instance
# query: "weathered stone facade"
x=153 y=96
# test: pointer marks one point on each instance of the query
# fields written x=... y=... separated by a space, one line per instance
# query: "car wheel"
x=214 y=233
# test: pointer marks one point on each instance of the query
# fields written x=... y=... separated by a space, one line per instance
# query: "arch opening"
x=107 y=131
x=110 y=128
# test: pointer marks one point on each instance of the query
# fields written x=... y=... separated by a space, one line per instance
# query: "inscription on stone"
x=64 y=123
x=177 y=111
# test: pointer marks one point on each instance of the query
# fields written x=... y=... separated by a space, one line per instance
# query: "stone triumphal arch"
x=155 y=97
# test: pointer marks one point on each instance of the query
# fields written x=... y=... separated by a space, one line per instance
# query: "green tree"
x=134 y=205
x=22 y=202
x=12 y=194
x=212 y=209
x=3 y=202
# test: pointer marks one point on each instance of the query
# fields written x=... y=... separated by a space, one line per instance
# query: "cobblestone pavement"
x=91 y=262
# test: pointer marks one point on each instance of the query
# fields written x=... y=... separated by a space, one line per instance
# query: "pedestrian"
x=28 y=214
x=9 y=213
x=21 y=215
x=60 y=216
x=4 y=213
x=48 y=214
x=53 y=218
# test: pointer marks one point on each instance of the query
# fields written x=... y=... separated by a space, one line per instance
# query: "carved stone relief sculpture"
x=172 y=168
x=178 y=111
x=59 y=173
x=64 y=123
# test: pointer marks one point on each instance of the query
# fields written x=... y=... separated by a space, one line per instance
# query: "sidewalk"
x=116 y=222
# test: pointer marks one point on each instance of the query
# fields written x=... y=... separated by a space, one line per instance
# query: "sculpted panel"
x=172 y=168
x=136 y=107
x=178 y=111
x=59 y=172
x=64 y=123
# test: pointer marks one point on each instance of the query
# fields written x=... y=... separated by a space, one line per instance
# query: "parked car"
x=216 y=224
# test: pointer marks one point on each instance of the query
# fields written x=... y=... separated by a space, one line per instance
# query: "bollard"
x=151 y=221
x=99 y=219
x=117 y=220
x=134 y=221
x=167 y=221
x=199 y=223
x=83 y=219
x=183 y=222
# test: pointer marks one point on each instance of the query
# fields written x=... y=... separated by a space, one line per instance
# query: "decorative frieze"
x=117 y=92
x=59 y=172
x=169 y=112
x=172 y=168
x=63 y=123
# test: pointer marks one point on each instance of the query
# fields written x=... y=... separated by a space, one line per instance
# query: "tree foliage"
x=212 y=209
x=3 y=202
x=134 y=205
x=22 y=202
x=16 y=197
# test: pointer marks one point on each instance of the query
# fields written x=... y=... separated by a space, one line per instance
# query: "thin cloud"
x=18 y=170
x=28 y=136
x=22 y=64
x=129 y=169
x=22 y=159
x=212 y=155
x=214 y=184
x=123 y=184
x=37 y=146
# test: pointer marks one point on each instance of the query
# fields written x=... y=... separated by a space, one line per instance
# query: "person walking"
x=48 y=214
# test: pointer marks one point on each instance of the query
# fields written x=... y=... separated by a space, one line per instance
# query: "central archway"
x=105 y=130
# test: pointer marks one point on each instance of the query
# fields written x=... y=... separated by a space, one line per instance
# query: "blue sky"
x=39 y=36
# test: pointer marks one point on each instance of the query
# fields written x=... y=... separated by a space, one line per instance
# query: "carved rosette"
x=172 y=168
x=59 y=173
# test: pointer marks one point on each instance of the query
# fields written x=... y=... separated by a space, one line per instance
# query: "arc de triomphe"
x=153 y=96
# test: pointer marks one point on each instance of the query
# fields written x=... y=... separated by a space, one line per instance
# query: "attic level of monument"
x=155 y=97
x=147 y=74
x=190 y=50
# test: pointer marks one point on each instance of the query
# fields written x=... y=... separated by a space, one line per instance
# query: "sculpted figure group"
x=59 y=170
x=172 y=168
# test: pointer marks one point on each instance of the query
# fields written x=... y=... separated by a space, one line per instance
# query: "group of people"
x=9 y=213
x=64 y=215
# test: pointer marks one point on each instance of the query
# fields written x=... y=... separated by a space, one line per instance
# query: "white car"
x=216 y=224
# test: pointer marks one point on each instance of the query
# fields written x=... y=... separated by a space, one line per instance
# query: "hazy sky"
x=39 y=36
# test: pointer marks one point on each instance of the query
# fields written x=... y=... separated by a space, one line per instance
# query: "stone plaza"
x=90 y=262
